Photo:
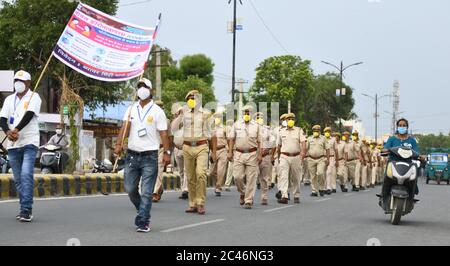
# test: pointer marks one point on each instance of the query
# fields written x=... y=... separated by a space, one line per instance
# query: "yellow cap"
x=192 y=92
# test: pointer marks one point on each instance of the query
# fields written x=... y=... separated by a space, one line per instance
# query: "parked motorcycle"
x=401 y=173
x=51 y=160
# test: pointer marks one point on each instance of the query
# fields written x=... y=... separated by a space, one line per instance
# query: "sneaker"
x=26 y=217
x=143 y=228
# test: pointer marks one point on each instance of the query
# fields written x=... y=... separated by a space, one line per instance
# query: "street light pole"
x=341 y=70
x=376 y=98
x=233 y=75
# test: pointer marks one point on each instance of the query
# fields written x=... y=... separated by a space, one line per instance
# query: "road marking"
x=280 y=208
x=192 y=225
x=67 y=198
x=367 y=190
x=322 y=200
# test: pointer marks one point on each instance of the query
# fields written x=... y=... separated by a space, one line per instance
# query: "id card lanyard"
x=142 y=132
x=11 y=119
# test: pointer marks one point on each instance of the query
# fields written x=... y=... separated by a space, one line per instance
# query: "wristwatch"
x=168 y=152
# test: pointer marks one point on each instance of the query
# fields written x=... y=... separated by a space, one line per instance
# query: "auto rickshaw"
x=437 y=168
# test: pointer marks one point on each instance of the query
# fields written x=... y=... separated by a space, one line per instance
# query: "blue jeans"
x=22 y=164
x=145 y=168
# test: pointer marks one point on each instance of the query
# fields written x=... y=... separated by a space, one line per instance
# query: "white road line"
x=280 y=208
x=322 y=200
x=192 y=225
x=67 y=198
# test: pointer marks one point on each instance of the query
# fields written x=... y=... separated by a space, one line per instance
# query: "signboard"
x=103 y=47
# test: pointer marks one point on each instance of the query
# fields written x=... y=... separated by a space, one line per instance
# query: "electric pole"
x=233 y=75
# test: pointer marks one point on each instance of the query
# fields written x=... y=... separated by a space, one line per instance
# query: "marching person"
x=291 y=152
x=179 y=158
x=352 y=155
x=375 y=161
x=245 y=137
x=219 y=167
x=318 y=161
x=268 y=148
x=358 y=169
x=276 y=168
x=18 y=119
x=365 y=164
x=331 y=169
x=145 y=125
x=158 y=191
x=340 y=161
x=229 y=179
x=196 y=124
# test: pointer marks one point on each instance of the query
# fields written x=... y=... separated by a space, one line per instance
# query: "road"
x=339 y=219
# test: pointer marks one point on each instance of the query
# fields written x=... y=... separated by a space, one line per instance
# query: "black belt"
x=144 y=153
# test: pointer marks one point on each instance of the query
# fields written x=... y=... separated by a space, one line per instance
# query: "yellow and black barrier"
x=77 y=185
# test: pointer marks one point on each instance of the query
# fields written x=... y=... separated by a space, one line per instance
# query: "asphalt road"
x=339 y=219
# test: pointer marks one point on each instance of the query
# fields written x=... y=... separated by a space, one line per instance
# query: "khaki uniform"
x=316 y=162
x=245 y=163
x=219 y=168
x=196 y=126
x=179 y=159
x=158 y=185
x=268 y=142
x=375 y=166
x=290 y=140
x=275 y=168
x=331 y=169
x=342 y=174
x=353 y=164
x=365 y=169
x=229 y=166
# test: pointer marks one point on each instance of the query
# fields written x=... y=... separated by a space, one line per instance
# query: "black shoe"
x=218 y=193
x=143 y=228
x=258 y=186
x=362 y=188
x=333 y=191
x=184 y=195
x=278 y=195
x=26 y=216
x=355 y=189
x=343 y=188
x=322 y=193
x=328 y=192
x=314 y=194
x=272 y=186
x=289 y=196
x=307 y=184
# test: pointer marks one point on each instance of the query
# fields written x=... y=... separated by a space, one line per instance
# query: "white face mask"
x=143 y=93
x=59 y=131
x=284 y=123
x=19 y=86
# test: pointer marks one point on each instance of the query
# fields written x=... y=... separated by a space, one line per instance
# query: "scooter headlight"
x=405 y=154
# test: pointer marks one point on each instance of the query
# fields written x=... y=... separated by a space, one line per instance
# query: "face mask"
x=344 y=138
x=355 y=138
x=260 y=121
x=372 y=146
x=19 y=86
x=143 y=93
x=402 y=130
x=316 y=134
x=247 y=118
x=284 y=123
x=291 y=123
x=327 y=134
x=218 y=121
x=58 y=131
x=191 y=103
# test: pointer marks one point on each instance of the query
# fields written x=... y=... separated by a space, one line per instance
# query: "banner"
x=103 y=47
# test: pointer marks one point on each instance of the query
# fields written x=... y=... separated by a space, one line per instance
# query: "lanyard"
x=15 y=105
x=139 y=112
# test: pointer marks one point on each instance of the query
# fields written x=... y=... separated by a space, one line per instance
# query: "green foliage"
x=426 y=142
x=198 y=65
x=313 y=98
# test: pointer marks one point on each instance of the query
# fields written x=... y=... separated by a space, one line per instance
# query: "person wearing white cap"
x=145 y=126
x=18 y=119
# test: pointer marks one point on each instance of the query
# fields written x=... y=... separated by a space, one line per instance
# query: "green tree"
x=198 y=65
x=29 y=30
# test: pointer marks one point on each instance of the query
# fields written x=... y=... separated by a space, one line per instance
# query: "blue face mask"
x=402 y=130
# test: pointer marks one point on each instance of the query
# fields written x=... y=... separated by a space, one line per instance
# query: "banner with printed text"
x=103 y=47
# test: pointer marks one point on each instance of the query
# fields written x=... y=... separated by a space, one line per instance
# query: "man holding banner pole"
x=145 y=126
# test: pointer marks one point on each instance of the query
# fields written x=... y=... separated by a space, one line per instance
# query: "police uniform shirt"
x=317 y=146
x=352 y=148
x=14 y=109
x=196 y=124
x=340 y=147
x=246 y=135
x=146 y=123
x=290 y=139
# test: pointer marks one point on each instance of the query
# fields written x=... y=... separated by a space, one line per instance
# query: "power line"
x=267 y=27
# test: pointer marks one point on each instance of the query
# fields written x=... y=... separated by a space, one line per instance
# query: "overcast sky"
x=407 y=40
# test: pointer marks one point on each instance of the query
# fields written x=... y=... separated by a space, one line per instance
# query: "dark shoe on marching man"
x=196 y=123
x=319 y=159
x=19 y=122
x=291 y=151
x=245 y=137
x=146 y=127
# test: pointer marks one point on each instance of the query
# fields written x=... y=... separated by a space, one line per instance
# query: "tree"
x=198 y=65
x=29 y=30
x=175 y=91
